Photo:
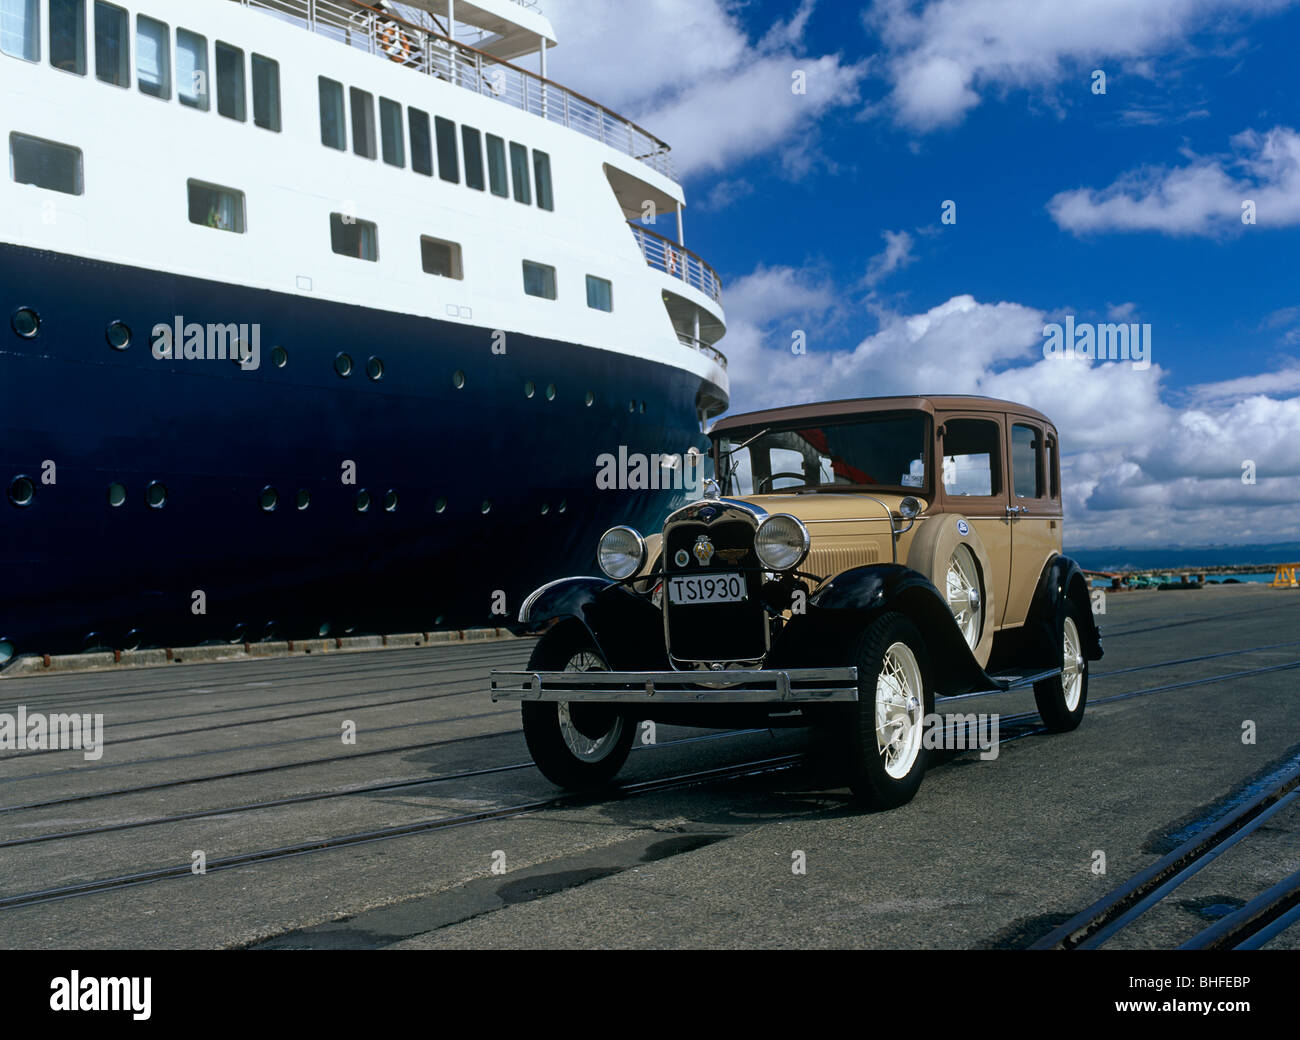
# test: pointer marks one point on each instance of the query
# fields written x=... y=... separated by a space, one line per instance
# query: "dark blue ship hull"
x=79 y=571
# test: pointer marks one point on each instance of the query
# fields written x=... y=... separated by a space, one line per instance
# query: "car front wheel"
x=577 y=745
x=887 y=756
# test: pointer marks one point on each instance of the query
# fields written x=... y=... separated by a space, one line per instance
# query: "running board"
x=1019 y=679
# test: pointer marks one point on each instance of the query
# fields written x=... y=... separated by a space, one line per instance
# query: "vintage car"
x=849 y=563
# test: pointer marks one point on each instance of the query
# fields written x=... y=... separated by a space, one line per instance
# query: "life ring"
x=672 y=260
x=394 y=43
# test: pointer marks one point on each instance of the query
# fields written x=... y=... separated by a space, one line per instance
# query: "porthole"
x=279 y=357
x=564 y=505
x=304 y=499
x=458 y=379
x=390 y=501
x=269 y=499
x=324 y=629
x=343 y=365
x=118 y=335
x=6 y=651
x=591 y=398
x=550 y=392
x=156 y=495
x=22 y=491
x=363 y=501
x=26 y=322
x=643 y=408
x=440 y=506
x=116 y=494
x=486 y=507
x=530 y=389
x=132 y=640
x=375 y=369
x=631 y=406
x=545 y=508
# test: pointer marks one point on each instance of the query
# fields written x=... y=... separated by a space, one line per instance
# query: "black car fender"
x=626 y=628
x=855 y=598
x=1060 y=584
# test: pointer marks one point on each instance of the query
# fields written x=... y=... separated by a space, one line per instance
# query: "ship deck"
x=433 y=830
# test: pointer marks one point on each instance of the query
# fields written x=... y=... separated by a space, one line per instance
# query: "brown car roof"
x=860 y=405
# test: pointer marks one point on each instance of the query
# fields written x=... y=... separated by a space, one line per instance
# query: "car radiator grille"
x=715 y=631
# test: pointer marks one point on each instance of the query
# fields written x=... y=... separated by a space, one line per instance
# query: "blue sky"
x=822 y=212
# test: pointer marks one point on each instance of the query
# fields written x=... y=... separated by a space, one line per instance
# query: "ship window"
x=440 y=258
x=542 y=168
x=68 y=35
x=352 y=237
x=216 y=207
x=390 y=122
x=112 y=45
x=230 y=82
x=600 y=293
x=20 y=28
x=192 y=69
x=153 y=60
x=363 y=123
x=498 y=180
x=421 y=142
x=539 y=280
x=448 y=161
x=333 y=123
x=55 y=167
x=472 y=141
x=266 y=93
x=519 y=173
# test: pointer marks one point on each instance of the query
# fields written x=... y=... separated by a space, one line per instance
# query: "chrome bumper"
x=736 y=686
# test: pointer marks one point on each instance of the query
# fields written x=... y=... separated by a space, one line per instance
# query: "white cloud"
x=897 y=254
x=943 y=56
x=688 y=72
x=1136 y=469
x=1202 y=198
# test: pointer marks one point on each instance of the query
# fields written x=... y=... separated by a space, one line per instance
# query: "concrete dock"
x=382 y=800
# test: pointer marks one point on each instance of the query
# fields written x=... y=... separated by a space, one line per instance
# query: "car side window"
x=972 y=457
x=1027 y=461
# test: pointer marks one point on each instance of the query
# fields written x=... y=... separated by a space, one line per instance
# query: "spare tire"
x=949 y=552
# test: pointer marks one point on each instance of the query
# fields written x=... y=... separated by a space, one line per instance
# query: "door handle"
x=1015 y=510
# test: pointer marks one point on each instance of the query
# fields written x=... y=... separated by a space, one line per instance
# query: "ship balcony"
x=676 y=261
x=431 y=48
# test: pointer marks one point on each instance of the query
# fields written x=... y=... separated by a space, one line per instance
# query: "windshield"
x=888 y=452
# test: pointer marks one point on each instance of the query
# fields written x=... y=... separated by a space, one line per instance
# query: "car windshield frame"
x=738 y=435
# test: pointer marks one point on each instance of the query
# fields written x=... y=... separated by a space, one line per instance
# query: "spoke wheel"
x=885 y=753
x=577 y=745
x=899 y=707
x=965 y=599
x=1062 y=699
x=591 y=739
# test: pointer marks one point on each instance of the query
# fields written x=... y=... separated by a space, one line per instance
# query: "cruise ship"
x=317 y=316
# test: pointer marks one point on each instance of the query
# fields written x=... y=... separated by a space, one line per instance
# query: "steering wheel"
x=771 y=477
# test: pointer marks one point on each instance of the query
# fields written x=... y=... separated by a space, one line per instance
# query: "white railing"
x=665 y=255
x=419 y=47
x=703 y=348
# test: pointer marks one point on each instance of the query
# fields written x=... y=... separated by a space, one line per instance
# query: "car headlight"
x=781 y=542
x=621 y=552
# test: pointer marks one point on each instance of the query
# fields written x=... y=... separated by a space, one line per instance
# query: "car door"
x=974 y=478
x=1035 y=510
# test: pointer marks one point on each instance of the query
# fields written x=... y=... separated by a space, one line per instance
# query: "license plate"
x=714 y=588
